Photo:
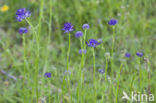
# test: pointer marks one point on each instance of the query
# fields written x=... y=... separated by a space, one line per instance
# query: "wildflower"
x=82 y=51
x=47 y=74
x=67 y=72
x=4 y=8
x=78 y=34
x=100 y=40
x=85 y=26
x=107 y=55
x=22 y=30
x=93 y=43
x=22 y=13
x=140 y=54
x=102 y=71
x=27 y=13
x=68 y=27
x=113 y=22
x=127 y=55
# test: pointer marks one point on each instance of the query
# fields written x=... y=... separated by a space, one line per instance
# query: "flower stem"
x=80 y=80
x=118 y=83
x=106 y=67
x=24 y=45
x=34 y=37
x=37 y=68
x=82 y=57
x=68 y=78
x=84 y=37
x=94 y=79
x=48 y=43
x=49 y=36
x=112 y=51
x=140 y=74
x=38 y=49
x=68 y=53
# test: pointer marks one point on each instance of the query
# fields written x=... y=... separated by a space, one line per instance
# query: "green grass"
x=47 y=46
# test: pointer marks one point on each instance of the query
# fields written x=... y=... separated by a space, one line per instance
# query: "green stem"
x=38 y=50
x=68 y=79
x=48 y=43
x=69 y=88
x=49 y=36
x=84 y=43
x=112 y=51
x=84 y=37
x=80 y=72
x=34 y=36
x=63 y=88
x=94 y=79
x=68 y=53
x=106 y=69
x=118 y=83
x=49 y=87
x=83 y=47
x=30 y=24
x=24 y=45
x=82 y=57
x=140 y=74
x=37 y=69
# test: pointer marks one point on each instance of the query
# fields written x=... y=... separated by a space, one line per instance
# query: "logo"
x=138 y=97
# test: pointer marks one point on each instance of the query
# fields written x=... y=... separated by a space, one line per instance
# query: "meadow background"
x=135 y=32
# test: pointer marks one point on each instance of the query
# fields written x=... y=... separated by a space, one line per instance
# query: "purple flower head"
x=102 y=71
x=78 y=34
x=27 y=13
x=113 y=22
x=127 y=55
x=19 y=18
x=22 y=13
x=93 y=43
x=22 y=30
x=85 y=26
x=68 y=27
x=140 y=54
x=82 y=51
x=47 y=74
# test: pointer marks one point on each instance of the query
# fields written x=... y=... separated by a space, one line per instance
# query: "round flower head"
x=127 y=55
x=107 y=55
x=100 y=40
x=22 y=13
x=82 y=51
x=47 y=74
x=27 y=13
x=20 y=18
x=102 y=71
x=22 y=30
x=93 y=43
x=68 y=27
x=66 y=72
x=113 y=22
x=85 y=26
x=78 y=34
x=140 y=54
